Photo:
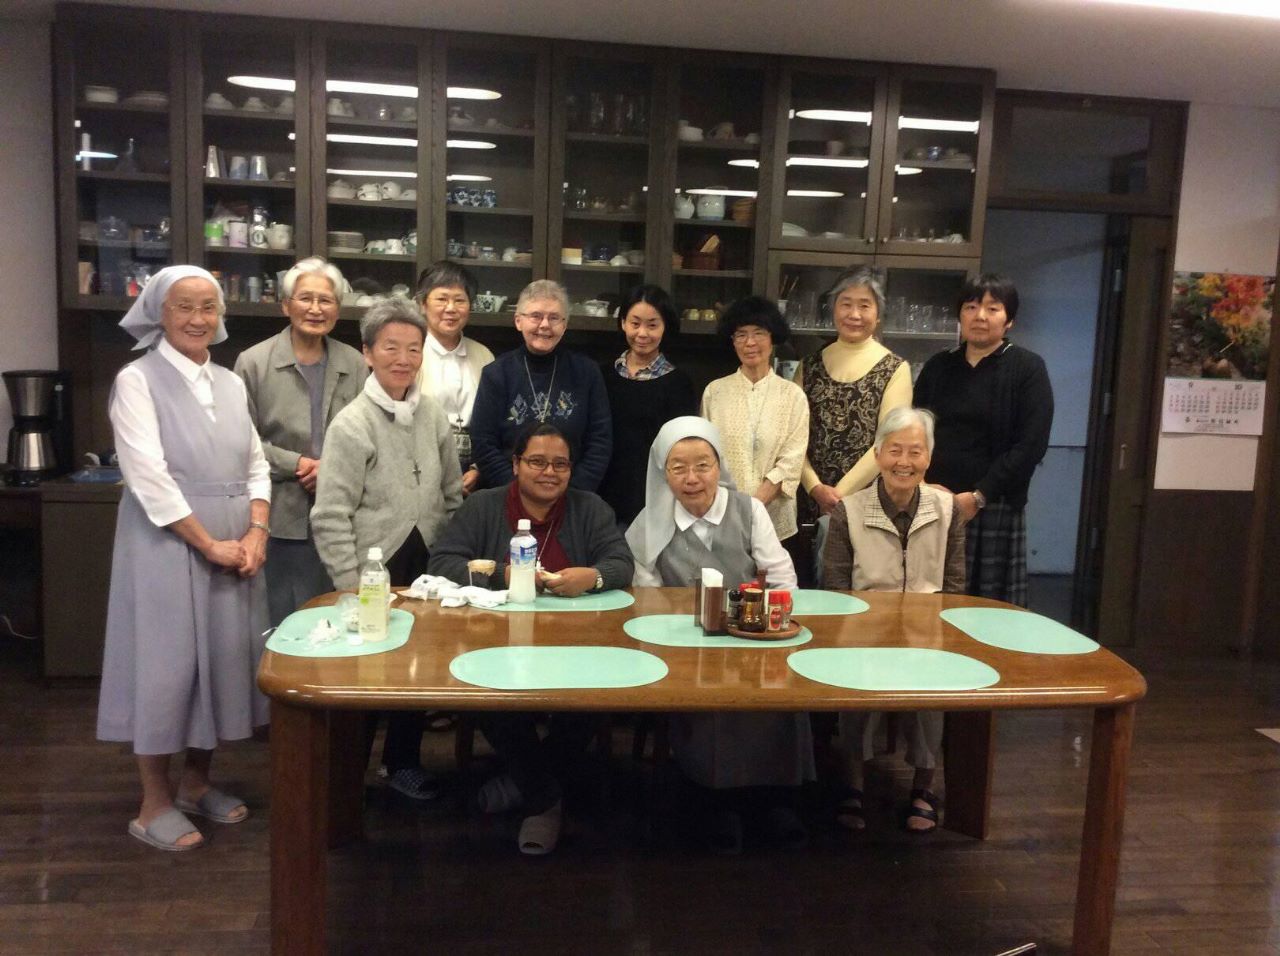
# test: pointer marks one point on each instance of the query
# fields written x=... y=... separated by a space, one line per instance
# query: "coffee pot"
x=40 y=439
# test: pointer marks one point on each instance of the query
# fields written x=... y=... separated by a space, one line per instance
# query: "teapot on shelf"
x=490 y=302
x=684 y=206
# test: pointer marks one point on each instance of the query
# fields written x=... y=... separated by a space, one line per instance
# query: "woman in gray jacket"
x=389 y=480
x=297 y=381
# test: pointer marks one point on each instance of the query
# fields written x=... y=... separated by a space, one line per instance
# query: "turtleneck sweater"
x=563 y=389
x=848 y=362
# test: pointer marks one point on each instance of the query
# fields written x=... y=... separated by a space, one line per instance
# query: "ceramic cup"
x=258 y=167
x=390 y=189
x=722 y=131
x=238 y=167
x=255 y=104
x=369 y=192
x=408 y=195
x=334 y=107
x=509 y=254
x=237 y=234
x=280 y=235
x=393 y=247
x=376 y=246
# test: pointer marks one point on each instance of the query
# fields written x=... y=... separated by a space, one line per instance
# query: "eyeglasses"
x=538 y=318
x=750 y=335
x=445 y=300
x=307 y=301
x=701 y=469
x=188 y=309
x=538 y=463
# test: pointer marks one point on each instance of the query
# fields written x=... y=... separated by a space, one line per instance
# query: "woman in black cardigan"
x=994 y=406
x=645 y=392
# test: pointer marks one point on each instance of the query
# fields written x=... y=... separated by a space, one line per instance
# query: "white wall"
x=28 y=290
x=1229 y=221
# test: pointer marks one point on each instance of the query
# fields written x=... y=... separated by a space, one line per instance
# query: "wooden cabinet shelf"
x=249 y=251
x=627 y=270
x=605 y=216
x=89 y=106
x=224 y=182
x=490 y=263
x=371 y=256
x=488 y=210
x=607 y=138
x=109 y=175
x=409 y=205
x=266 y=116
x=715 y=273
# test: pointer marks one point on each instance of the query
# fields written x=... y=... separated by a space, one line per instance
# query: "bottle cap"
x=375 y=554
x=522 y=524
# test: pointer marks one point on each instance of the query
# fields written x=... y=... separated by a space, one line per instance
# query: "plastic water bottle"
x=375 y=588
x=524 y=557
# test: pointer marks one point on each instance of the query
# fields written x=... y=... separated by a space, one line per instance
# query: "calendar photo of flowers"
x=1220 y=326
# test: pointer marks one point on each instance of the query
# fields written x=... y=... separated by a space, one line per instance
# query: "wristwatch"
x=599 y=581
x=979 y=499
x=261 y=526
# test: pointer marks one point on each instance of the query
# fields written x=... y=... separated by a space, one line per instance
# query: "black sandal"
x=930 y=814
x=850 y=810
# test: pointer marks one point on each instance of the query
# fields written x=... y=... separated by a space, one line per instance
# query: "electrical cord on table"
x=14 y=631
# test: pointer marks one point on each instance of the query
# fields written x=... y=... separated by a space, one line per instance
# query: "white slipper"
x=214 y=805
x=165 y=831
x=540 y=832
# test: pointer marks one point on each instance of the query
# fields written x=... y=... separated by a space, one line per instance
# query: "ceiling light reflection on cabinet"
x=367 y=140
x=814 y=193
x=470 y=144
x=285 y=85
x=938 y=125
x=840 y=162
x=834 y=116
x=907 y=170
x=389 y=173
x=95 y=154
x=467 y=178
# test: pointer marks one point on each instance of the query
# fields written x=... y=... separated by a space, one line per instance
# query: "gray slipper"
x=498 y=795
x=214 y=805
x=540 y=833
x=165 y=831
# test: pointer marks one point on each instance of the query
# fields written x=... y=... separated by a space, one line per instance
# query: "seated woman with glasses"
x=543 y=383
x=579 y=549
x=763 y=418
x=694 y=518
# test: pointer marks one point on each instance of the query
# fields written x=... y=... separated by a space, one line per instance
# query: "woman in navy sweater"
x=541 y=382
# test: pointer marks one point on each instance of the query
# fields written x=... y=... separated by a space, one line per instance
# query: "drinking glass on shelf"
x=926 y=318
x=896 y=307
x=912 y=323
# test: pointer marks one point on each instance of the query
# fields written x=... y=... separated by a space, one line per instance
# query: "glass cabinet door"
x=603 y=162
x=371 y=159
x=118 y=190
x=491 y=167
x=933 y=198
x=828 y=154
x=249 y=114
x=717 y=129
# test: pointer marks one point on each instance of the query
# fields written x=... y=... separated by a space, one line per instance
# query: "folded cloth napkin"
x=475 y=596
x=427 y=587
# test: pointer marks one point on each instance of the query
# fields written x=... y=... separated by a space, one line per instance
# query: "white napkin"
x=475 y=596
x=427 y=587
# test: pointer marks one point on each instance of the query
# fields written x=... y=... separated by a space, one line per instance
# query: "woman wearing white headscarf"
x=187 y=607
x=694 y=518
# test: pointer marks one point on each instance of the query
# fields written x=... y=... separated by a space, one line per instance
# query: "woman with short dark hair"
x=763 y=419
x=645 y=392
x=994 y=405
x=451 y=362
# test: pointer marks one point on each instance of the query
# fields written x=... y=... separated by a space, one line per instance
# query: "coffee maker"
x=39 y=441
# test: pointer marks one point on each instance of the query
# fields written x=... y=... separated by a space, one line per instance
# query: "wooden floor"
x=1201 y=871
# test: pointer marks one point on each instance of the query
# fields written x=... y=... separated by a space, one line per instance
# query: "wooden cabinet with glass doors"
x=921 y=299
x=248 y=154
x=489 y=186
x=370 y=167
x=119 y=127
x=717 y=139
x=605 y=171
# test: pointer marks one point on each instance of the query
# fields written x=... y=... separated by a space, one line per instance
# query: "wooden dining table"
x=319 y=752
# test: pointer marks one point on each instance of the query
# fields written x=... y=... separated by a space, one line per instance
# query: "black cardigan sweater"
x=479 y=529
x=993 y=420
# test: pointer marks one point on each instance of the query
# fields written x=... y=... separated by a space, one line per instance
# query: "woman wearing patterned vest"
x=897 y=535
x=694 y=518
x=850 y=385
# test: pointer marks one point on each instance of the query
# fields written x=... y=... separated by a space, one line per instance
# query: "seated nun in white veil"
x=694 y=518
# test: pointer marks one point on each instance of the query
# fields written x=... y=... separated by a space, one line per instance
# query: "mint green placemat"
x=1015 y=630
x=600 y=601
x=810 y=601
x=552 y=668
x=678 y=630
x=291 y=636
x=892 y=668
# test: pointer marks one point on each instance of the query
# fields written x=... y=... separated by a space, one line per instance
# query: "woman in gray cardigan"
x=297 y=381
x=579 y=549
x=389 y=479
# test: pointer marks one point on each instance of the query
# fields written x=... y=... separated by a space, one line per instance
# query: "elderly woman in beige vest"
x=898 y=534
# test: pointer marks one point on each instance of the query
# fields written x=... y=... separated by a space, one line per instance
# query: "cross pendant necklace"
x=417 y=472
x=533 y=392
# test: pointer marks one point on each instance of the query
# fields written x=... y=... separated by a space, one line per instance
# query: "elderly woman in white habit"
x=187 y=606
x=695 y=518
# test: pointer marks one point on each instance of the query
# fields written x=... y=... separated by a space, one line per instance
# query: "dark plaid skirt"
x=995 y=545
